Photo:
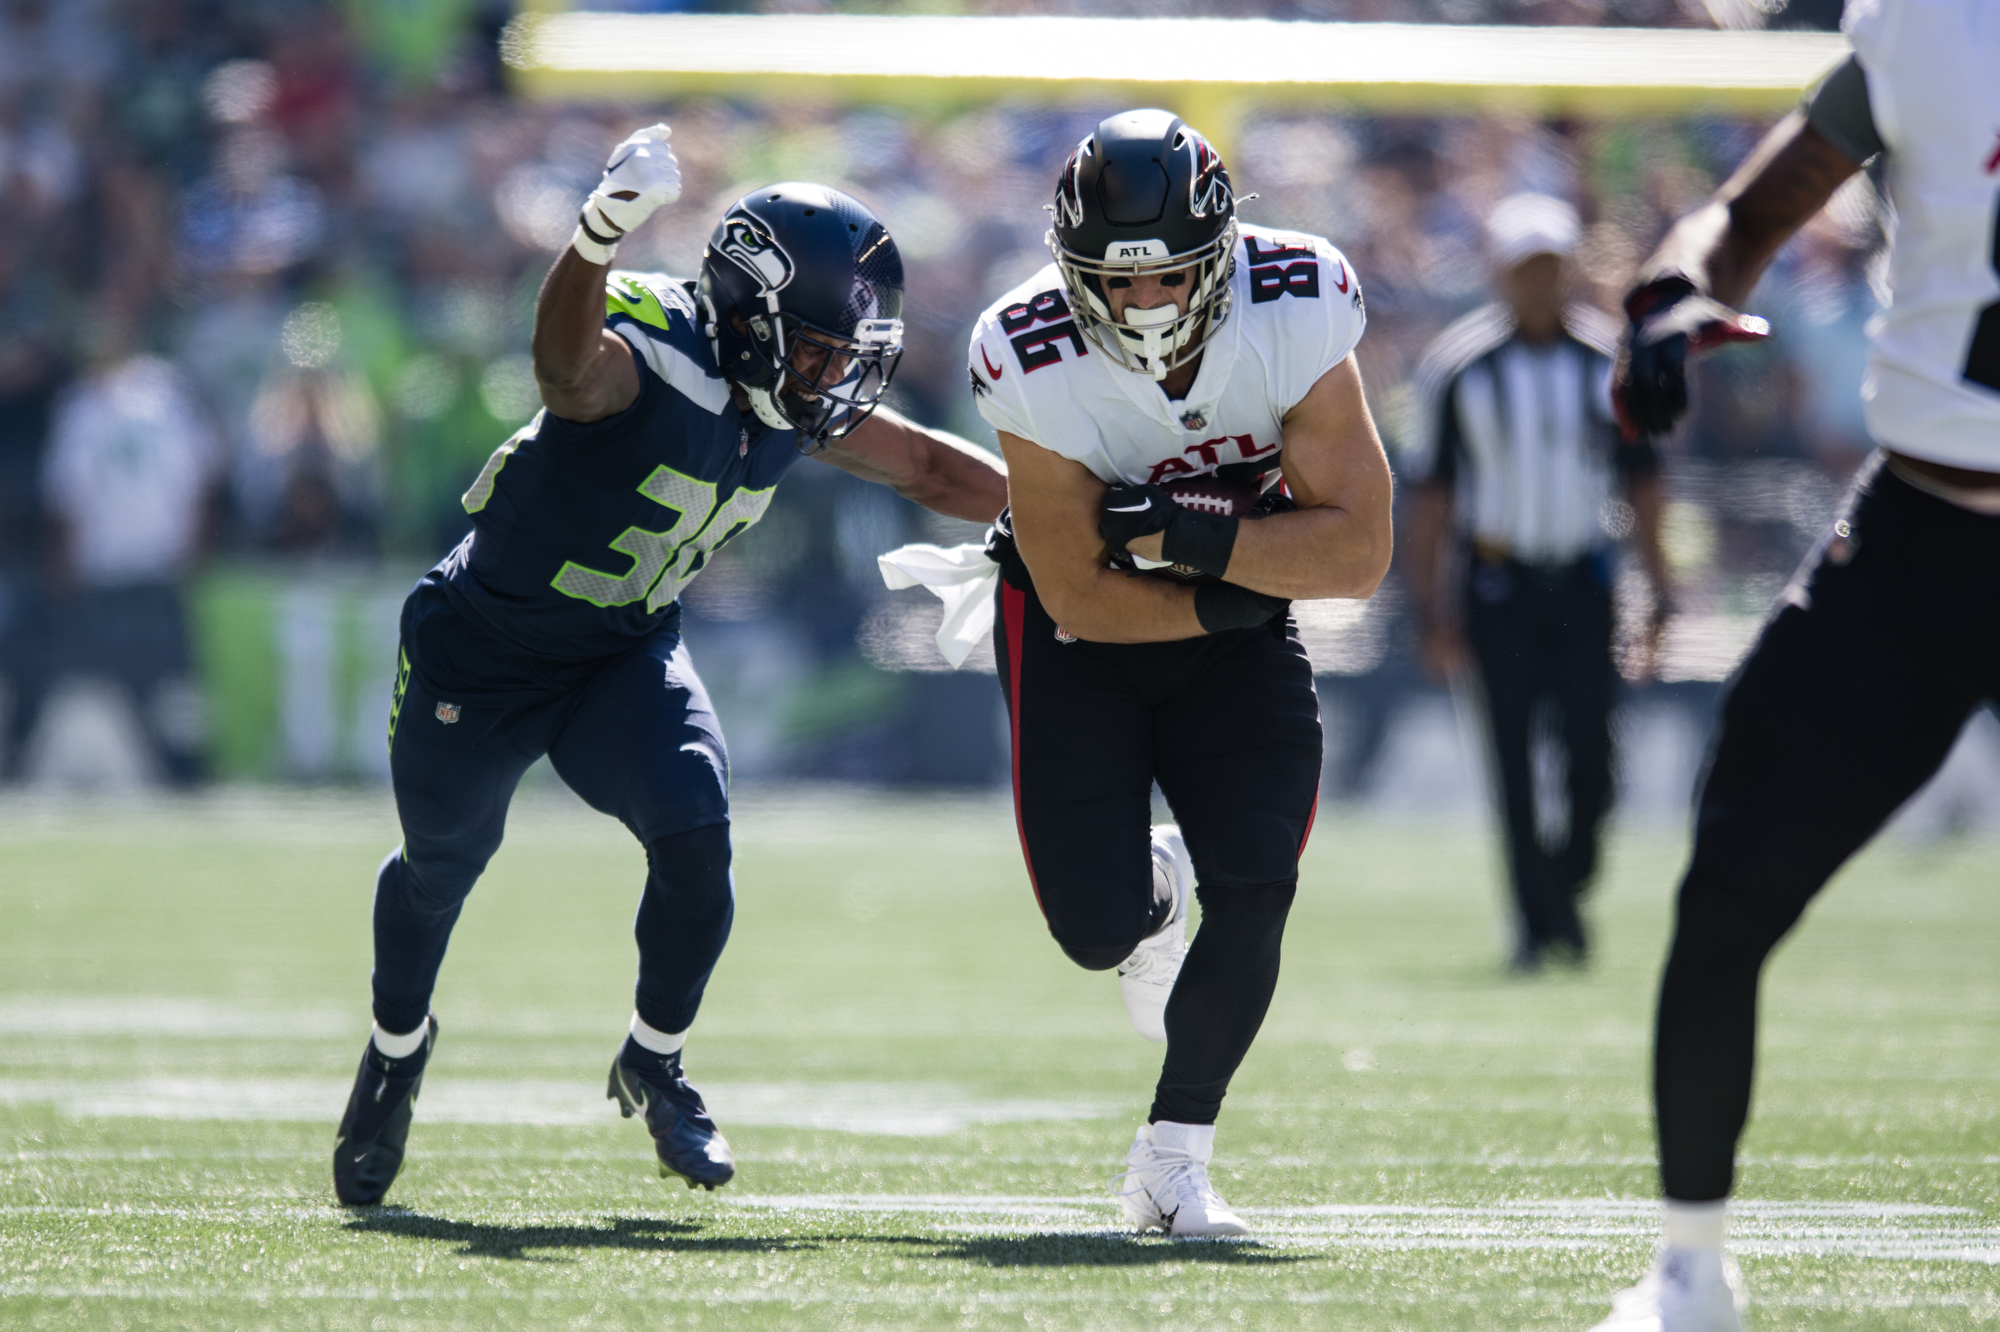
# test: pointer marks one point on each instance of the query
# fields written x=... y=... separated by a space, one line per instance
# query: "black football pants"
x=1543 y=637
x=1850 y=702
x=1228 y=724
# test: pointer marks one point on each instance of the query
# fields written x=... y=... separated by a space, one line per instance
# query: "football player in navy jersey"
x=671 y=410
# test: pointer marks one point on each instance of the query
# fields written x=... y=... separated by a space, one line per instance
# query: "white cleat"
x=1688 y=1290
x=1146 y=978
x=1165 y=1185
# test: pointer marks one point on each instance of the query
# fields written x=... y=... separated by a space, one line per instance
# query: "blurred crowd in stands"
x=267 y=270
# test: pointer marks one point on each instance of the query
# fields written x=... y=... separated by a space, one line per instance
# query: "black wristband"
x=1201 y=541
x=1222 y=606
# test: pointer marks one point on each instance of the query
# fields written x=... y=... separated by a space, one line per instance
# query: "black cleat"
x=369 y=1150
x=688 y=1143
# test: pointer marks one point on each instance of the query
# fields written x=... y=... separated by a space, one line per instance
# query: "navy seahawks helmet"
x=1145 y=193
x=801 y=267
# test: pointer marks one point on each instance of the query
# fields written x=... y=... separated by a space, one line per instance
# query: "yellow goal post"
x=1213 y=71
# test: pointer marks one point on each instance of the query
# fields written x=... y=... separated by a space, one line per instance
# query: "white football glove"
x=641 y=176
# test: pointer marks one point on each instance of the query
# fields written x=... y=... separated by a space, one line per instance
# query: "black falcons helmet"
x=1145 y=193
x=803 y=267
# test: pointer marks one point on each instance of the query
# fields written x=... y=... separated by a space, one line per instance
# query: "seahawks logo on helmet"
x=748 y=244
x=1208 y=185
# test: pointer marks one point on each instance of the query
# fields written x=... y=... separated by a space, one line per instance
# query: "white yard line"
x=144 y=1017
x=882 y=1108
x=1902 y=1232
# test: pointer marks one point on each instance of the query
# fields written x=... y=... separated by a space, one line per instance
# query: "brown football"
x=1226 y=498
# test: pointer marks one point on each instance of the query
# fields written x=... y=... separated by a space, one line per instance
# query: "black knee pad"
x=1254 y=849
x=1250 y=904
x=436 y=889
x=1721 y=925
x=1097 y=959
x=691 y=869
x=1095 y=930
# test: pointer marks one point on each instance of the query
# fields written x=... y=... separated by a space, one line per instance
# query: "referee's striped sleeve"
x=1428 y=457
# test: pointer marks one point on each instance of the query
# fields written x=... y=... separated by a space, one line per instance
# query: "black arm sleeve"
x=1838 y=108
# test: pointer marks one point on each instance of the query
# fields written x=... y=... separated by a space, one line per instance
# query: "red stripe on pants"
x=1014 y=607
x=1311 y=814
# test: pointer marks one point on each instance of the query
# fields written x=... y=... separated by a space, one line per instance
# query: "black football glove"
x=1650 y=389
x=1200 y=541
x=1131 y=512
x=1669 y=322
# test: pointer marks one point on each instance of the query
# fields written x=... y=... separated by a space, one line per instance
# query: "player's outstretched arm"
x=584 y=370
x=935 y=468
x=1724 y=246
x=1055 y=504
x=1709 y=263
x=1337 y=543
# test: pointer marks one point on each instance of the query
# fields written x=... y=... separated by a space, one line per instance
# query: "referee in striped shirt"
x=1518 y=468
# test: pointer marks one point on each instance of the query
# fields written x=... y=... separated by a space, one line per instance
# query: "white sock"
x=1699 y=1226
x=1198 y=1140
x=659 y=1042
x=393 y=1046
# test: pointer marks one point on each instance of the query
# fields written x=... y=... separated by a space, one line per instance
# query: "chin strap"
x=1152 y=326
x=1156 y=343
x=767 y=410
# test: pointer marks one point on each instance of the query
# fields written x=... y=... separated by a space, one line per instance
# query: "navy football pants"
x=1850 y=702
x=636 y=738
x=1228 y=724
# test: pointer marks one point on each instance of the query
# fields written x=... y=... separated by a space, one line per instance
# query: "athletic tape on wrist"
x=591 y=247
x=1201 y=541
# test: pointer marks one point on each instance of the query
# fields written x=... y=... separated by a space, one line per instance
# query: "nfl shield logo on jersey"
x=447 y=713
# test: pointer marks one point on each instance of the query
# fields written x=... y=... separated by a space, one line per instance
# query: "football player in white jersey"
x=1890 y=635
x=1164 y=344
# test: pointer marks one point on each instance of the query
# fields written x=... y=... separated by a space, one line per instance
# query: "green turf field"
x=926 y=1099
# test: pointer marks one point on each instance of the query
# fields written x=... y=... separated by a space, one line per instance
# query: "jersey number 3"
x=664 y=562
x=1982 y=358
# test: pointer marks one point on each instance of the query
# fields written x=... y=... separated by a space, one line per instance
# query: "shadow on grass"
x=658 y=1235
x=641 y=1234
x=1106 y=1251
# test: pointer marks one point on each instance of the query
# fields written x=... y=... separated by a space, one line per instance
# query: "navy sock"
x=406 y=1067
x=636 y=1056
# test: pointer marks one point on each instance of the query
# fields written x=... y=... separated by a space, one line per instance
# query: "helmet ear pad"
x=743 y=357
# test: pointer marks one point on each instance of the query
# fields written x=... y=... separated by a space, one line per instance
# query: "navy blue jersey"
x=584 y=535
